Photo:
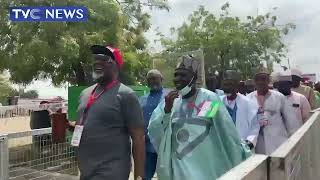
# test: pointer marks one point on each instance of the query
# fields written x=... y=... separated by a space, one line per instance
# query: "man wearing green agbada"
x=193 y=132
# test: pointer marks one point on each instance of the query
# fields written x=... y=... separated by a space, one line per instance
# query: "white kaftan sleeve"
x=254 y=123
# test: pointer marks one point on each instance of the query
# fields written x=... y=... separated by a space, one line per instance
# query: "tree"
x=60 y=50
x=6 y=90
x=229 y=42
x=31 y=94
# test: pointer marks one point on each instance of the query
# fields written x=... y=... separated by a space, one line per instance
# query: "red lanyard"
x=93 y=98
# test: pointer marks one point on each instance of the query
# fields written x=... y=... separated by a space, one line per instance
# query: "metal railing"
x=32 y=155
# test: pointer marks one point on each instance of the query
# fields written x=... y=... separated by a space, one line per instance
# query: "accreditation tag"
x=209 y=109
x=77 y=135
x=262 y=118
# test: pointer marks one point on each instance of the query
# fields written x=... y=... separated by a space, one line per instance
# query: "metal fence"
x=32 y=155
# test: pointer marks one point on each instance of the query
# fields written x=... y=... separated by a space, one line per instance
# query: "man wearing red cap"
x=108 y=115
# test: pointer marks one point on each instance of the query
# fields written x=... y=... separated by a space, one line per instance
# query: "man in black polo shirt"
x=109 y=114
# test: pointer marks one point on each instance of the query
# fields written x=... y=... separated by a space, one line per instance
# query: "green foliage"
x=60 y=50
x=6 y=90
x=135 y=68
x=229 y=42
x=31 y=94
x=164 y=65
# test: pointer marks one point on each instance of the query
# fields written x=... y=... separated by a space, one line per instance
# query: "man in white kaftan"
x=271 y=114
x=241 y=109
x=296 y=104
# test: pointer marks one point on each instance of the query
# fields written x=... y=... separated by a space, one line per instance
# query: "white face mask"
x=186 y=90
x=228 y=94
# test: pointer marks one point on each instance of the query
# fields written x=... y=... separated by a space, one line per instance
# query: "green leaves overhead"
x=5 y=90
x=229 y=42
x=31 y=94
x=60 y=50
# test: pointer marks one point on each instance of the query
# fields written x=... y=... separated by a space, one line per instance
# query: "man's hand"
x=71 y=125
x=249 y=144
x=169 y=99
x=138 y=150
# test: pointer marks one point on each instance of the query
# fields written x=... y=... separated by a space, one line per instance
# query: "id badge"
x=263 y=121
x=75 y=141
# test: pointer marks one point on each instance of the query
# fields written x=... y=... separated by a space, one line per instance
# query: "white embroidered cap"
x=296 y=72
x=285 y=76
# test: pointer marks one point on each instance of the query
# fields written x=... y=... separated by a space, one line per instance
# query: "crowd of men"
x=187 y=132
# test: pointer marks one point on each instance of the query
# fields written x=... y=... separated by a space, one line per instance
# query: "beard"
x=97 y=77
x=155 y=87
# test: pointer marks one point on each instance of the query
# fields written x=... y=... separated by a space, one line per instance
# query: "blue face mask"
x=186 y=90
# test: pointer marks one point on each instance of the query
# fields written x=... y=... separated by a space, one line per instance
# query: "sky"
x=303 y=43
x=46 y=89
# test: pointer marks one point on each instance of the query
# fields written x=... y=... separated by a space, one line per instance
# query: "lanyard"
x=93 y=98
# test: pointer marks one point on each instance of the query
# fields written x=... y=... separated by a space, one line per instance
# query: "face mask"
x=228 y=94
x=186 y=90
x=285 y=92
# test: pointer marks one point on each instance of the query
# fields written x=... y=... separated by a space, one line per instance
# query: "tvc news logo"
x=40 y=14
